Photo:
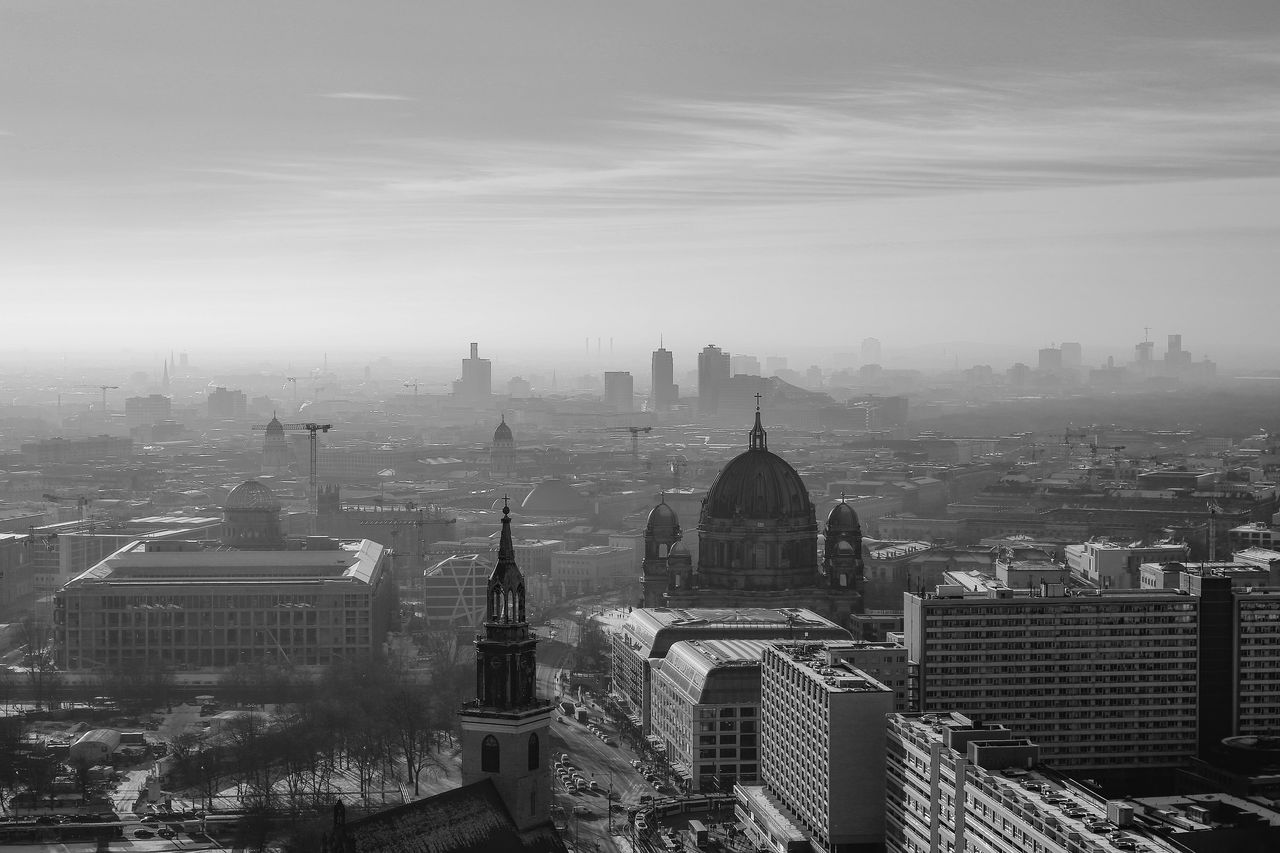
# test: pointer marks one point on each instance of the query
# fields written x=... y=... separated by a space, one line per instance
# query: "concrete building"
x=648 y=634
x=705 y=711
x=593 y=568
x=147 y=411
x=226 y=405
x=1143 y=678
x=59 y=451
x=183 y=605
x=956 y=784
x=822 y=758
x=17 y=583
x=1108 y=565
x=619 y=390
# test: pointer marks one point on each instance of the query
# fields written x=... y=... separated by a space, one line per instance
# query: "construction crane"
x=294 y=380
x=312 y=496
x=635 y=437
x=81 y=501
x=413 y=385
x=104 y=389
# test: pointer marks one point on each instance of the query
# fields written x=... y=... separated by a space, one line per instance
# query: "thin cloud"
x=365 y=96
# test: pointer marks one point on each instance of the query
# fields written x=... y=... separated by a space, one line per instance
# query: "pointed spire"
x=506 y=549
x=758 y=439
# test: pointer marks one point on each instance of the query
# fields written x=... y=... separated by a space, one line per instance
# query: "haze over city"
x=586 y=427
x=300 y=174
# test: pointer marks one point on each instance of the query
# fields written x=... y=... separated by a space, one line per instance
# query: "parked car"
x=143 y=833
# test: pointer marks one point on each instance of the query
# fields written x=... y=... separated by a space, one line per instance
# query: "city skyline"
x=239 y=174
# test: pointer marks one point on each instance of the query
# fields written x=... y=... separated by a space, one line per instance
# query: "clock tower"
x=506 y=729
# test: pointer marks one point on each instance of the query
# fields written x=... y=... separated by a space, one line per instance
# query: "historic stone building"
x=757 y=544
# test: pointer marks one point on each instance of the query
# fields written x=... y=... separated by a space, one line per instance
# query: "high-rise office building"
x=747 y=365
x=664 y=390
x=822 y=753
x=713 y=373
x=1146 y=677
x=476 y=384
x=871 y=351
x=1050 y=359
x=1072 y=354
x=619 y=390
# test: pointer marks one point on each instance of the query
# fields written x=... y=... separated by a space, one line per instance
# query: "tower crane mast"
x=313 y=428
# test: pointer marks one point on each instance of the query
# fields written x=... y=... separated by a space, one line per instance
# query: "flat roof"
x=143 y=563
x=838 y=676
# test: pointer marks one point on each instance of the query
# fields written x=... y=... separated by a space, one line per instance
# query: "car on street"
x=143 y=833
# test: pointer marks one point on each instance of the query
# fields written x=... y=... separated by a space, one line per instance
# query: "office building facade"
x=183 y=605
x=822 y=755
x=663 y=391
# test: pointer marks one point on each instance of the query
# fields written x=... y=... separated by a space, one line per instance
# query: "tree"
x=42 y=669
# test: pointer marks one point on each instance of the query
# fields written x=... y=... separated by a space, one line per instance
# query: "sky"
x=531 y=175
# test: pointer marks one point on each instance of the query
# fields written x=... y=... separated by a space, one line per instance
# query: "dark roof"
x=470 y=819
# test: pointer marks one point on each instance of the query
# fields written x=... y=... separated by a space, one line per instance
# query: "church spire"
x=758 y=439
x=506 y=584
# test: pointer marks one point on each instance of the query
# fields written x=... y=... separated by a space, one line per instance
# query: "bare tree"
x=39 y=661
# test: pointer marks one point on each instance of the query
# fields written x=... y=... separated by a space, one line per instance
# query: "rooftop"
x=146 y=563
x=832 y=676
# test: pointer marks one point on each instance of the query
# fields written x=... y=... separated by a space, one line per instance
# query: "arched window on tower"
x=489 y=761
x=534 y=756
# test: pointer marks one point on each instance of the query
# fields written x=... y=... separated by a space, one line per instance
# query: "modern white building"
x=453 y=592
x=822 y=754
x=1108 y=565
x=650 y=632
x=705 y=711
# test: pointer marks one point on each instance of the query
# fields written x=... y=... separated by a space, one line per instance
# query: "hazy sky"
x=757 y=174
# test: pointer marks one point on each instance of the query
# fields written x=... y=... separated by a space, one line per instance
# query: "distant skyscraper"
x=619 y=390
x=476 y=384
x=1050 y=358
x=1072 y=354
x=713 y=373
x=664 y=391
x=870 y=351
x=774 y=363
x=744 y=364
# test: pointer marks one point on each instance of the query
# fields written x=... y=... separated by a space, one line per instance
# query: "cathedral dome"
x=503 y=432
x=252 y=495
x=274 y=427
x=758 y=484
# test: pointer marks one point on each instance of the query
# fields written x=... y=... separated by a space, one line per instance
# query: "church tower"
x=842 y=553
x=660 y=533
x=506 y=729
x=275 y=449
x=502 y=453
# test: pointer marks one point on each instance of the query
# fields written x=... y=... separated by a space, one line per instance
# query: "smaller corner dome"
x=842 y=517
x=679 y=553
x=503 y=432
x=663 y=515
x=274 y=425
x=252 y=495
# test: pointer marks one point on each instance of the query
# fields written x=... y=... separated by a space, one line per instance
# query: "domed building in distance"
x=757 y=544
